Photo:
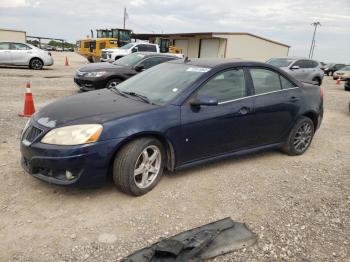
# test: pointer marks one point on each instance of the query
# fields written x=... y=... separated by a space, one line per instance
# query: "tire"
x=131 y=159
x=318 y=80
x=113 y=82
x=36 y=64
x=303 y=131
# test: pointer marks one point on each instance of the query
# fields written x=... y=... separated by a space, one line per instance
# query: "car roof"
x=148 y=54
x=214 y=62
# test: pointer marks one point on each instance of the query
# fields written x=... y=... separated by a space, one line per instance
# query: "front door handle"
x=293 y=99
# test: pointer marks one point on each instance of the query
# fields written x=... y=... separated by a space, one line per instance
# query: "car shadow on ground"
x=109 y=188
x=24 y=68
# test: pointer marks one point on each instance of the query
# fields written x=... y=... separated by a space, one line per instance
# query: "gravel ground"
x=298 y=206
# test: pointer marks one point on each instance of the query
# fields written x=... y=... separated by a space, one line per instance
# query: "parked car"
x=301 y=68
x=112 y=54
x=331 y=68
x=174 y=115
x=106 y=75
x=343 y=73
x=347 y=84
x=19 y=54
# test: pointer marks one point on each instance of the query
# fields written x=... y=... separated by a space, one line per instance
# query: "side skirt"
x=227 y=155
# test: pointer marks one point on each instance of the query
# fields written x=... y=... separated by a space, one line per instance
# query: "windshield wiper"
x=117 y=91
x=142 y=97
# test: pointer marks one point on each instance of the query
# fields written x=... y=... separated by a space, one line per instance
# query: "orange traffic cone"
x=66 y=61
x=28 y=102
x=338 y=81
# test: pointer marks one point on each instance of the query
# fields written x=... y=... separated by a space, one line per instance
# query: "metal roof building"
x=12 y=35
x=223 y=45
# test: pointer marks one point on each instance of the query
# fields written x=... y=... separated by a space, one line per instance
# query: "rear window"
x=4 y=46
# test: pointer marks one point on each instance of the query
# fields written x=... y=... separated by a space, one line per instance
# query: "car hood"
x=99 y=67
x=92 y=107
x=343 y=72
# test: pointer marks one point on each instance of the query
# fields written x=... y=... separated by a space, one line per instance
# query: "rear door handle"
x=243 y=110
x=293 y=99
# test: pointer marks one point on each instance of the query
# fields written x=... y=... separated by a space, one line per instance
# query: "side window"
x=142 y=48
x=18 y=46
x=151 y=48
x=152 y=61
x=301 y=63
x=286 y=83
x=225 y=86
x=4 y=46
x=265 y=80
x=314 y=64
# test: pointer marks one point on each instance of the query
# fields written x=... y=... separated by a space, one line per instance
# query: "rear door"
x=209 y=131
x=20 y=53
x=302 y=72
x=276 y=105
x=5 y=57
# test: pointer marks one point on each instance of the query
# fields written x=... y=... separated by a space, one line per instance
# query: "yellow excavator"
x=106 y=38
x=166 y=45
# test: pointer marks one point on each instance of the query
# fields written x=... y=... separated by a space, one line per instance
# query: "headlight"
x=73 y=135
x=95 y=74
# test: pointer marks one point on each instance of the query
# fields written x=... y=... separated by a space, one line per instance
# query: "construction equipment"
x=106 y=38
x=166 y=45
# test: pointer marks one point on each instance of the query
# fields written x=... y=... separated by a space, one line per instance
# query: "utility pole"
x=125 y=16
x=311 y=53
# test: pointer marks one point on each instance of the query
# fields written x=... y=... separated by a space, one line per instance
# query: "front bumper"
x=88 y=164
x=88 y=84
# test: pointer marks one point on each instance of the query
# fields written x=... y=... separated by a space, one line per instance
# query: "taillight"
x=321 y=92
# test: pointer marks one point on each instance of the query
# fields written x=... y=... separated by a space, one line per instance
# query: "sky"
x=288 y=22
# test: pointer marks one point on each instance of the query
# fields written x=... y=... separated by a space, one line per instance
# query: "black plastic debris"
x=198 y=244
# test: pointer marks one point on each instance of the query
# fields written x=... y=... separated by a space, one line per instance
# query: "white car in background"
x=20 y=54
x=112 y=54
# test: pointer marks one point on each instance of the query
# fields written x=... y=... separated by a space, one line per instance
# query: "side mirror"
x=134 y=49
x=295 y=67
x=139 y=68
x=204 y=101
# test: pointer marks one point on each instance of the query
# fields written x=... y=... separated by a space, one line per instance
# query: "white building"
x=12 y=35
x=224 y=45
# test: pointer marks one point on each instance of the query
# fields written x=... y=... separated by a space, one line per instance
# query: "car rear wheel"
x=36 y=64
x=300 y=137
x=138 y=166
x=113 y=82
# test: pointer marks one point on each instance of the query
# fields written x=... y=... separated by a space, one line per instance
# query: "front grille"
x=31 y=134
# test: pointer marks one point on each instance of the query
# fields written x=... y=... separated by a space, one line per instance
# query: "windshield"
x=127 y=46
x=163 y=82
x=129 y=60
x=280 y=62
x=330 y=65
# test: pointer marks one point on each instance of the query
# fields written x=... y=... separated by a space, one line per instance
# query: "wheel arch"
x=168 y=146
x=313 y=116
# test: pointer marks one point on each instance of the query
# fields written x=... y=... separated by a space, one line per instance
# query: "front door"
x=213 y=130
x=20 y=53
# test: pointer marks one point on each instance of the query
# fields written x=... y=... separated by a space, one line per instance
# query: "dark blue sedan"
x=172 y=116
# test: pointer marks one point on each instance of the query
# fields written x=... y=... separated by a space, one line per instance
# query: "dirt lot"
x=298 y=206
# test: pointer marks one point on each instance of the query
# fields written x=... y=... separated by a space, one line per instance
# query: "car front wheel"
x=139 y=165
x=36 y=64
x=113 y=82
x=300 y=137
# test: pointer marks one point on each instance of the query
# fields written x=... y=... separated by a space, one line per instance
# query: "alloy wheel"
x=302 y=138
x=113 y=83
x=147 y=166
x=36 y=64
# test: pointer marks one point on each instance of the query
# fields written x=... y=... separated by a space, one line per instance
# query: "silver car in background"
x=302 y=69
x=20 y=54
